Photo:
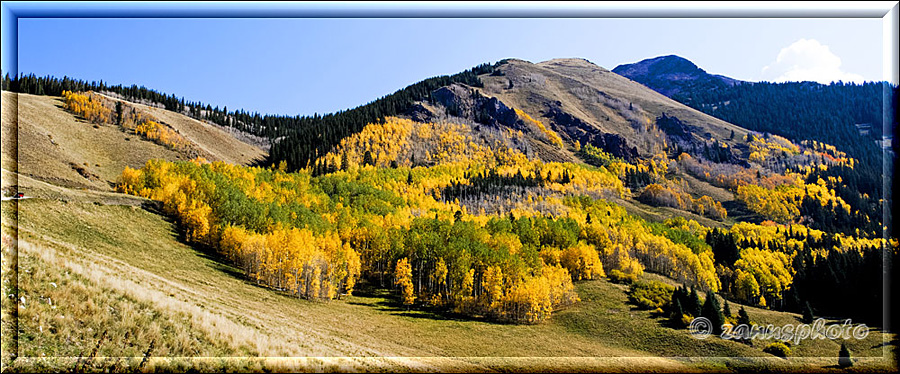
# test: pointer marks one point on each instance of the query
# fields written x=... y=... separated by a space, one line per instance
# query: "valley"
x=496 y=221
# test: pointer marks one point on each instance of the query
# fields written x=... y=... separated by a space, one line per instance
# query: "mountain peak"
x=576 y=61
x=668 y=74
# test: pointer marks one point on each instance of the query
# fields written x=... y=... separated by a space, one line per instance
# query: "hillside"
x=512 y=217
x=44 y=142
x=186 y=290
x=846 y=115
x=214 y=143
x=576 y=96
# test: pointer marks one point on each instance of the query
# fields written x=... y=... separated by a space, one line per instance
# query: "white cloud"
x=808 y=60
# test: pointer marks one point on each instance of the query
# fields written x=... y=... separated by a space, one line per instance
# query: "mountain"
x=848 y=116
x=571 y=99
x=587 y=103
x=424 y=228
x=670 y=75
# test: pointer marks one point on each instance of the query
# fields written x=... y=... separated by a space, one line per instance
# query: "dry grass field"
x=191 y=303
x=215 y=143
x=48 y=144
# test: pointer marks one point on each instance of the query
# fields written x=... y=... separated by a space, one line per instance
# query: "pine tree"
x=677 y=296
x=588 y=219
x=713 y=313
x=844 y=359
x=345 y=162
x=732 y=135
x=367 y=158
x=676 y=314
x=694 y=304
x=743 y=318
x=119 y=110
x=409 y=178
x=807 y=313
x=726 y=310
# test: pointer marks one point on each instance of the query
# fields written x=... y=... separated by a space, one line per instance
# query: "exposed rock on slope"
x=586 y=103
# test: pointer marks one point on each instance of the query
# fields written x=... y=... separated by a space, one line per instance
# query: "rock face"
x=419 y=113
x=467 y=103
x=574 y=100
x=576 y=129
x=670 y=75
x=456 y=98
x=463 y=102
x=675 y=129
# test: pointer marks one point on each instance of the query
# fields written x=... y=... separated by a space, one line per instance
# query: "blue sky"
x=302 y=66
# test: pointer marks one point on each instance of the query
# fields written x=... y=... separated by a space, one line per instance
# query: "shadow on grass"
x=155 y=207
x=216 y=260
x=259 y=162
x=738 y=211
x=383 y=300
x=894 y=342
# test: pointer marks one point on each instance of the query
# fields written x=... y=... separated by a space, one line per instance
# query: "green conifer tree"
x=743 y=317
x=844 y=359
x=676 y=314
x=808 y=315
x=713 y=313
x=694 y=305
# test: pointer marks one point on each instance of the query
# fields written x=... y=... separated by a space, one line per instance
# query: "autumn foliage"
x=86 y=106
x=280 y=255
x=102 y=110
x=472 y=224
x=550 y=135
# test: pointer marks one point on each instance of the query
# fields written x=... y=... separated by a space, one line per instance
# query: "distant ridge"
x=670 y=75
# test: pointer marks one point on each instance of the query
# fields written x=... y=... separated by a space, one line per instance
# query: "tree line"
x=805 y=111
x=297 y=140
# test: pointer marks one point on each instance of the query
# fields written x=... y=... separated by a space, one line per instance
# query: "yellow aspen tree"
x=439 y=278
x=493 y=287
x=314 y=283
x=403 y=280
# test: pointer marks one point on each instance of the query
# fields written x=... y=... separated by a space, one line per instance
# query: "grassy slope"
x=110 y=250
x=49 y=139
x=628 y=90
x=145 y=261
x=102 y=151
x=65 y=314
x=215 y=143
x=574 y=83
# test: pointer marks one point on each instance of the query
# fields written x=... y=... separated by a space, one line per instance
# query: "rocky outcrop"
x=675 y=129
x=574 y=128
x=419 y=113
x=464 y=102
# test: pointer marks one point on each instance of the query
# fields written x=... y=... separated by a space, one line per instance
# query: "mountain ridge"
x=490 y=192
x=672 y=74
